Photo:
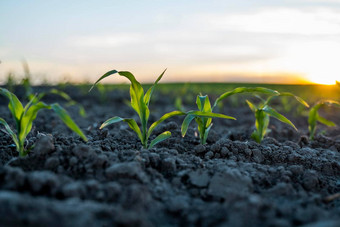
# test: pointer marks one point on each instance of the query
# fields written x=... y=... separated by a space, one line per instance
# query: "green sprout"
x=263 y=112
x=140 y=103
x=203 y=118
x=24 y=117
x=314 y=116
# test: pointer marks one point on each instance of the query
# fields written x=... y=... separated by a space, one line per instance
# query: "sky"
x=291 y=41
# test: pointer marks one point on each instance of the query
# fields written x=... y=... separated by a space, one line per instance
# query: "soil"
x=286 y=180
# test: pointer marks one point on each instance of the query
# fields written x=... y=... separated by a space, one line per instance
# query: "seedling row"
x=202 y=117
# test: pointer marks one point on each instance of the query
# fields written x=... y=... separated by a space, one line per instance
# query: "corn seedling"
x=24 y=117
x=263 y=112
x=140 y=103
x=203 y=118
x=314 y=116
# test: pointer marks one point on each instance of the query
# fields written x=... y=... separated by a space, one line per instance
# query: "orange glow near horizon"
x=323 y=79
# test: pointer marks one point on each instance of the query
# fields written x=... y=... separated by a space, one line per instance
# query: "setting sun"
x=326 y=79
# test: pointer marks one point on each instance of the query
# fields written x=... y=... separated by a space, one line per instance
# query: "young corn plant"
x=140 y=103
x=25 y=115
x=263 y=111
x=203 y=118
x=314 y=116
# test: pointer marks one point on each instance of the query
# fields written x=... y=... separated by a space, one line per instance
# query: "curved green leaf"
x=111 y=121
x=14 y=105
x=137 y=100
x=148 y=94
x=245 y=90
x=326 y=122
x=109 y=73
x=314 y=116
x=186 y=122
x=160 y=138
x=10 y=132
x=261 y=124
x=209 y=115
x=28 y=117
x=203 y=103
x=278 y=116
x=65 y=117
x=312 y=119
x=163 y=118
x=206 y=133
x=131 y=122
x=70 y=101
x=251 y=106
x=300 y=100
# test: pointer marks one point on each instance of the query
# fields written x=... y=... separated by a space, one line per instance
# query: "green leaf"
x=326 y=122
x=203 y=103
x=61 y=94
x=186 y=122
x=256 y=137
x=206 y=133
x=65 y=117
x=109 y=73
x=278 y=116
x=160 y=138
x=312 y=119
x=131 y=122
x=10 y=132
x=210 y=115
x=111 y=121
x=200 y=126
x=137 y=99
x=148 y=94
x=28 y=117
x=14 y=105
x=163 y=118
x=261 y=123
x=251 y=106
x=245 y=90
x=300 y=100
x=331 y=103
x=314 y=116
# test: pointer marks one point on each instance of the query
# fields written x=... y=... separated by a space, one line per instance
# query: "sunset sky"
x=291 y=41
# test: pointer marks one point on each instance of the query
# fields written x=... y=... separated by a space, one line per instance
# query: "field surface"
x=287 y=180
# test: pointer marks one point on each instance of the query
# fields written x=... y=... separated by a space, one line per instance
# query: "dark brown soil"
x=286 y=180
